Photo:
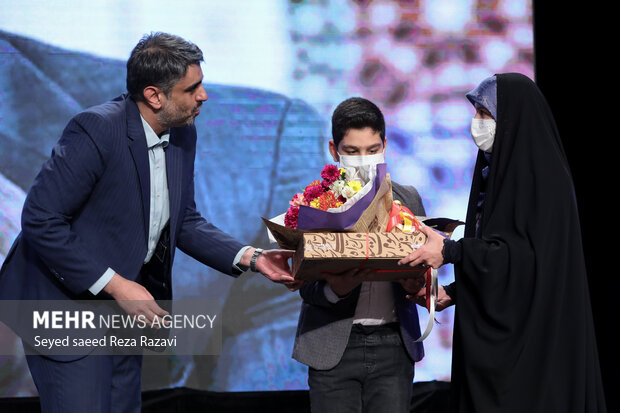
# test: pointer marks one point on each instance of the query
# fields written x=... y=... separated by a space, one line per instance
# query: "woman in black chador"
x=523 y=334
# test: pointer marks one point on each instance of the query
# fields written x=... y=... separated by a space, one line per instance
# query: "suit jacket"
x=88 y=209
x=323 y=329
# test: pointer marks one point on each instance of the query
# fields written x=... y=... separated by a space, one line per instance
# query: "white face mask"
x=362 y=167
x=355 y=161
x=483 y=133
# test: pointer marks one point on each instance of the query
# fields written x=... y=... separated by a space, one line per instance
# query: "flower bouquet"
x=339 y=202
x=333 y=191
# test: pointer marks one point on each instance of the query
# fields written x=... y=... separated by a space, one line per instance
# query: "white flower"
x=337 y=187
x=348 y=192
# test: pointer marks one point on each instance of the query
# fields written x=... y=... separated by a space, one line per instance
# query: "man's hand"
x=134 y=298
x=413 y=285
x=429 y=254
x=273 y=264
x=443 y=300
x=343 y=283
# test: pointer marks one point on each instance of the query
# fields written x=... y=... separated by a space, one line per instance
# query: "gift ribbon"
x=401 y=217
x=431 y=301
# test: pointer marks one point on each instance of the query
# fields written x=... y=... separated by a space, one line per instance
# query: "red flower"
x=313 y=190
x=290 y=219
x=330 y=173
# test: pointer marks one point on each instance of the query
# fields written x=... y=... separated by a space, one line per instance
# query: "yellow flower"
x=315 y=203
x=354 y=185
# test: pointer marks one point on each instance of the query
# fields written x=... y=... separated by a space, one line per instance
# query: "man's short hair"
x=161 y=60
x=356 y=113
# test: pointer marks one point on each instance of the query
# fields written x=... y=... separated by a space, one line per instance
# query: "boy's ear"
x=334 y=151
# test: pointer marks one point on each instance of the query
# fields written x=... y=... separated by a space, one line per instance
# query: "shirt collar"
x=152 y=139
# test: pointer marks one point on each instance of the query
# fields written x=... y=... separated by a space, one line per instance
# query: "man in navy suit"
x=358 y=337
x=106 y=212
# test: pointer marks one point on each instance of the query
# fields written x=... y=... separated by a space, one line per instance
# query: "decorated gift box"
x=336 y=252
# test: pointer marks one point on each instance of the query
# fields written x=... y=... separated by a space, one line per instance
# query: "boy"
x=357 y=337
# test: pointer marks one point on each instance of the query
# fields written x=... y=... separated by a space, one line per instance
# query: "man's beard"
x=171 y=115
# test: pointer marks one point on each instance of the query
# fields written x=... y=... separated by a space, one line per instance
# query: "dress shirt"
x=160 y=199
x=375 y=305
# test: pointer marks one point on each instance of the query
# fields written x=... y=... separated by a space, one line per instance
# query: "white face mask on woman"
x=483 y=133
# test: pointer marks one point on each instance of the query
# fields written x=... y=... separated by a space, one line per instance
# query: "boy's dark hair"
x=159 y=59
x=356 y=113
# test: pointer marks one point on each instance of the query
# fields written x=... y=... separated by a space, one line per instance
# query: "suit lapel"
x=174 y=168
x=139 y=152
